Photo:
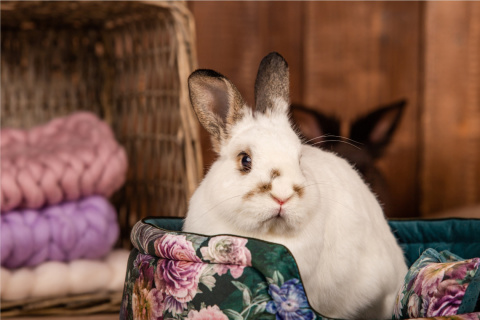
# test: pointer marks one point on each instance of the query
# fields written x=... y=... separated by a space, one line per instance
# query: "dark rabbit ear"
x=314 y=125
x=217 y=103
x=272 y=84
x=375 y=130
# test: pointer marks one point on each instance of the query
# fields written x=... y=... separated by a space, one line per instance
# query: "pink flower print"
x=229 y=253
x=147 y=303
x=178 y=280
x=175 y=247
x=208 y=313
x=429 y=278
x=447 y=299
x=413 y=306
x=465 y=316
x=459 y=270
x=142 y=263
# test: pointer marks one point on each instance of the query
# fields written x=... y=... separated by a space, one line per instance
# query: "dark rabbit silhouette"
x=368 y=138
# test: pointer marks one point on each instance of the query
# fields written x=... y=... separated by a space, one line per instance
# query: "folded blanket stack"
x=66 y=159
x=57 y=226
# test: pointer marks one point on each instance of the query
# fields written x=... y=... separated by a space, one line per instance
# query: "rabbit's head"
x=256 y=184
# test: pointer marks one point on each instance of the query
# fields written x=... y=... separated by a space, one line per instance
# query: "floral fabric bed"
x=439 y=283
x=176 y=275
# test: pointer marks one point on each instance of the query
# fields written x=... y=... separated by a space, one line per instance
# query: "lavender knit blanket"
x=66 y=159
x=86 y=228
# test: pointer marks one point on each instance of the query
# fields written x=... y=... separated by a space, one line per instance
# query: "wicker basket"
x=126 y=61
x=75 y=305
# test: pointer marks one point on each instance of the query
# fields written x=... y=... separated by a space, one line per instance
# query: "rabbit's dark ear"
x=217 y=103
x=375 y=130
x=314 y=126
x=272 y=84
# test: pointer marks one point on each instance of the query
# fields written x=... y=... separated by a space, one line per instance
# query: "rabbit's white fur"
x=349 y=261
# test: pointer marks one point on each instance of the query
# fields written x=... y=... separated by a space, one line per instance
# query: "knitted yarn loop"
x=84 y=229
x=66 y=159
x=59 y=279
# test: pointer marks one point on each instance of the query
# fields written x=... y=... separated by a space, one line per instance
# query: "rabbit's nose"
x=280 y=200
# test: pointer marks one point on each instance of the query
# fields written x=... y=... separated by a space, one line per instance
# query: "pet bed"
x=180 y=275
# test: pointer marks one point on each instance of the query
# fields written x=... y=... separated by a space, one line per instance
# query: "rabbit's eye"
x=245 y=162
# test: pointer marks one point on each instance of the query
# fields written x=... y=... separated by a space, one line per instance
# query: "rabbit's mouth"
x=280 y=215
x=279 y=221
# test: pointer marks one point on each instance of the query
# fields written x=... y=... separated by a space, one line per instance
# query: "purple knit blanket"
x=87 y=228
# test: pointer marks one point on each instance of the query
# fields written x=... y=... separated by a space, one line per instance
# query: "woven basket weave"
x=129 y=63
x=75 y=305
x=126 y=61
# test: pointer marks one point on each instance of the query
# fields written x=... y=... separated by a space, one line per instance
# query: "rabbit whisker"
x=343 y=138
x=319 y=137
x=320 y=142
x=334 y=136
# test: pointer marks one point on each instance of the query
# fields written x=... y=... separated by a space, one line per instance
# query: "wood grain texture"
x=360 y=56
x=451 y=115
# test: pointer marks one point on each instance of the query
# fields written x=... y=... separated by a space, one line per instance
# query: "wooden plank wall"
x=346 y=59
x=451 y=114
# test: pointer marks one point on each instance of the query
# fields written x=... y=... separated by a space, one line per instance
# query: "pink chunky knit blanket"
x=65 y=159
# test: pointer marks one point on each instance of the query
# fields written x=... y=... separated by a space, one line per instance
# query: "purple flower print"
x=178 y=280
x=440 y=287
x=147 y=302
x=459 y=270
x=175 y=247
x=142 y=262
x=178 y=273
x=289 y=302
x=429 y=278
x=142 y=234
x=465 y=316
x=447 y=299
x=436 y=289
x=228 y=253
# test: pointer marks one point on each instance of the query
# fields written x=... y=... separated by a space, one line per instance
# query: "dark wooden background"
x=346 y=58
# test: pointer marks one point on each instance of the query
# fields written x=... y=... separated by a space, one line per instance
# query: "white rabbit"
x=266 y=184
